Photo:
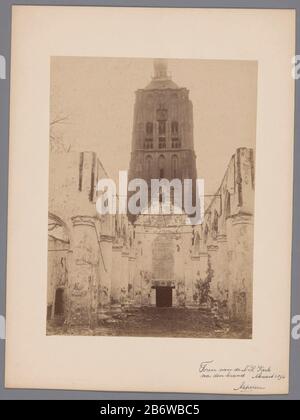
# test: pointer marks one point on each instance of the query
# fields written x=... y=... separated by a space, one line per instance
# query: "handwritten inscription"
x=249 y=377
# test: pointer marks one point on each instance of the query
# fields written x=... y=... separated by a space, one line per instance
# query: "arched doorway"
x=164 y=296
x=58 y=250
x=148 y=166
x=174 y=166
x=161 y=167
x=59 y=305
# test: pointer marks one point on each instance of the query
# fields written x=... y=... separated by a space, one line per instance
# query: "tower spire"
x=160 y=68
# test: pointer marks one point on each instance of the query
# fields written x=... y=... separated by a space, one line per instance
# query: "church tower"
x=162 y=138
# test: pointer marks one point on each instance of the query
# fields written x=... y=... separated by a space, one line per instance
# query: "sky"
x=95 y=98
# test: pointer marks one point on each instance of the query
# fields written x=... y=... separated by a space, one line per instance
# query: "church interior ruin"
x=102 y=267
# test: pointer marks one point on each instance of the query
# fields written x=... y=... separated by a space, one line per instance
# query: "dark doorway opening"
x=59 y=302
x=49 y=311
x=163 y=297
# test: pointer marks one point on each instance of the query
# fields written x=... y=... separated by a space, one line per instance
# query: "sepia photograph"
x=150 y=202
x=151 y=197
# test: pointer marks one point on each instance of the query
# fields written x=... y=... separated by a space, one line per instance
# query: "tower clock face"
x=162 y=114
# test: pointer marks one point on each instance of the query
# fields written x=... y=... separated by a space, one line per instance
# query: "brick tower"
x=162 y=138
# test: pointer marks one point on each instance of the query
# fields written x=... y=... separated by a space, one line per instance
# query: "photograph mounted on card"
x=151 y=259
x=142 y=265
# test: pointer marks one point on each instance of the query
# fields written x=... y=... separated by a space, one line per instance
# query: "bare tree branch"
x=56 y=141
x=58 y=120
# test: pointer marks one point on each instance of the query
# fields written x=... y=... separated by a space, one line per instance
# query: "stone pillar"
x=191 y=301
x=116 y=274
x=174 y=297
x=137 y=272
x=132 y=268
x=212 y=250
x=222 y=273
x=241 y=268
x=124 y=277
x=105 y=275
x=146 y=288
x=180 y=269
x=137 y=288
x=84 y=276
x=183 y=268
x=203 y=265
x=230 y=266
x=153 y=297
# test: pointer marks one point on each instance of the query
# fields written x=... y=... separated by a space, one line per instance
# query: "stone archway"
x=59 y=303
x=58 y=250
x=164 y=296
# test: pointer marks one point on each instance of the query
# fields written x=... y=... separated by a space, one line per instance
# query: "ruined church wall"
x=57 y=271
x=73 y=178
x=227 y=233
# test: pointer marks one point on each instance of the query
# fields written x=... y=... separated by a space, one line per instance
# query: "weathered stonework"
x=228 y=236
x=162 y=141
x=99 y=266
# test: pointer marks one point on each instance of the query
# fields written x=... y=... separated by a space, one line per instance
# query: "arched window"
x=162 y=143
x=148 y=143
x=148 y=166
x=161 y=113
x=149 y=128
x=176 y=143
x=174 y=166
x=174 y=128
x=58 y=229
x=59 y=302
x=162 y=128
x=161 y=166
